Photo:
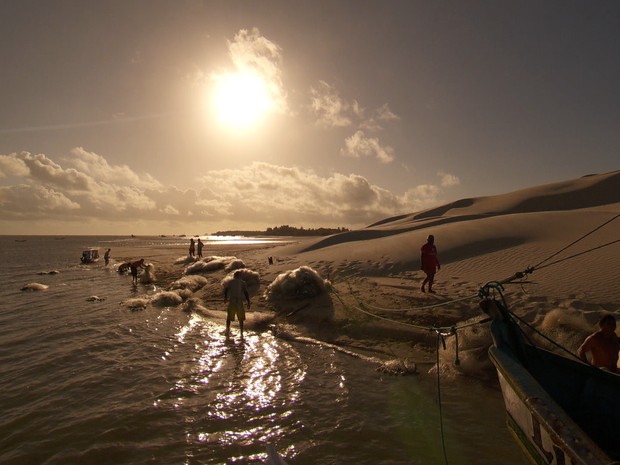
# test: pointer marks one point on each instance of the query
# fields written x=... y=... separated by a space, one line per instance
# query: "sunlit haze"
x=191 y=117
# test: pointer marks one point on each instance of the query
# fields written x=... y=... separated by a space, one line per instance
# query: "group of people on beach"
x=193 y=245
x=603 y=345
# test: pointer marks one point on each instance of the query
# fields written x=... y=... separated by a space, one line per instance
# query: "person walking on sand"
x=603 y=345
x=134 y=269
x=200 y=245
x=234 y=292
x=192 y=247
x=106 y=257
x=429 y=263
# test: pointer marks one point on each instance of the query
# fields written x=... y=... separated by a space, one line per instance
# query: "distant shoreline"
x=284 y=231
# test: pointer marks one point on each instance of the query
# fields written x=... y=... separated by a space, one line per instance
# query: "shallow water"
x=92 y=382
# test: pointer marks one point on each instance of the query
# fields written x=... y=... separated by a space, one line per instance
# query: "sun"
x=240 y=99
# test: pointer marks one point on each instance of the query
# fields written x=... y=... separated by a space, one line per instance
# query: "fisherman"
x=200 y=245
x=192 y=247
x=603 y=345
x=429 y=263
x=234 y=292
x=106 y=257
x=134 y=269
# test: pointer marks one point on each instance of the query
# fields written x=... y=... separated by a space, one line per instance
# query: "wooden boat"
x=90 y=255
x=560 y=410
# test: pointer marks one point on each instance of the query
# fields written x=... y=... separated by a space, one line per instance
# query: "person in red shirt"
x=429 y=263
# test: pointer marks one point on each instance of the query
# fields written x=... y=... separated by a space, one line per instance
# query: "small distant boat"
x=559 y=410
x=90 y=255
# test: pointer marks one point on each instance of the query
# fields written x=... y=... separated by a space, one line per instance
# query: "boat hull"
x=541 y=427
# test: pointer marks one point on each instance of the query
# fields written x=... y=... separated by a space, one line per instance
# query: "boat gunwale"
x=572 y=440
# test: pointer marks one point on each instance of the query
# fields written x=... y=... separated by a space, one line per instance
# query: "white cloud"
x=283 y=194
x=423 y=196
x=98 y=168
x=448 y=180
x=359 y=145
x=11 y=165
x=44 y=170
x=25 y=201
x=260 y=194
x=330 y=109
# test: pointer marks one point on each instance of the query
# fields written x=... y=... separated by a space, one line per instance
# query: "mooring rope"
x=443 y=438
x=578 y=240
x=578 y=254
x=423 y=307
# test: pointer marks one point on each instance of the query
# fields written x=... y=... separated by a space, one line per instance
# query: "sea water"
x=86 y=381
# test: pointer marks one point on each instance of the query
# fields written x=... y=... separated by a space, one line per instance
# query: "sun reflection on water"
x=232 y=392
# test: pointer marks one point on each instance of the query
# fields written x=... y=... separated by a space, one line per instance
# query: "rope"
x=576 y=241
x=578 y=254
x=403 y=323
x=424 y=307
x=548 y=339
x=443 y=439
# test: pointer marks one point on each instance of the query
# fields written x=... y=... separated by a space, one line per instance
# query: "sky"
x=190 y=117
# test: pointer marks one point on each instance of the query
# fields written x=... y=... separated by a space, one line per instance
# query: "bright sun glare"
x=240 y=99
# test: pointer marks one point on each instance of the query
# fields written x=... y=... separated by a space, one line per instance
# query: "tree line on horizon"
x=285 y=230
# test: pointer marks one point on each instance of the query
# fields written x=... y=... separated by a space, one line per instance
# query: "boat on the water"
x=560 y=410
x=90 y=255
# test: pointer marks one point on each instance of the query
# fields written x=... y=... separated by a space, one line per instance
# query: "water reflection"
x=235 y=393
x=232 y=397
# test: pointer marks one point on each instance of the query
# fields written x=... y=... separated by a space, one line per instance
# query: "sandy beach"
x=372 y=303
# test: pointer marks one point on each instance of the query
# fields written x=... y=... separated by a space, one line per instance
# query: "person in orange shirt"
x=429 y=263
x=603 y=345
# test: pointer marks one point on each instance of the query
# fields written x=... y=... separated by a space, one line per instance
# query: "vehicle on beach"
x=90 y=255
x=560 y=410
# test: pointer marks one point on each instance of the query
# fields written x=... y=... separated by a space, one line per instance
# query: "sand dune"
x=491 y=237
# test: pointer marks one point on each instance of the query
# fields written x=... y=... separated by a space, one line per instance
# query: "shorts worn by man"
x=234 y=292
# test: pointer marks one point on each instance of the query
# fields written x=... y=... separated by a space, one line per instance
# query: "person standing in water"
x=200 y=245
x=234 y=292
x=192 y=247
x=106 y=257
x=602 y=345
x=429 y=263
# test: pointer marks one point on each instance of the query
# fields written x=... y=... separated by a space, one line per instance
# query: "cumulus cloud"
x=11 y=165
x=330 y=109
x=360 y=145
x=274 y=192
x=31 y=201
x=42 y=169
x=98 y=168
x=448 y=180
x=422 y=196
x=38 y=188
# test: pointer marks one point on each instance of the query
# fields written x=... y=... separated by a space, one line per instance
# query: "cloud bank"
x=84 y=188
